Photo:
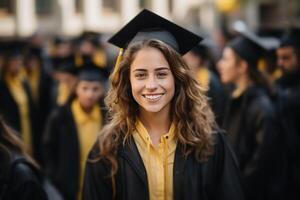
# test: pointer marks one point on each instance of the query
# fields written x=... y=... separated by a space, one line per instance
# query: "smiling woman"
x=153 y=85
x=161 y=141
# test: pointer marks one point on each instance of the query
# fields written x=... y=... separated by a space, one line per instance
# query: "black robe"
x=217 y=178
x=10 y=111
x=216 y=96
x=61 y=151
x=43 y=107
x=289 y=89
x=253 y=131
x=20 y=180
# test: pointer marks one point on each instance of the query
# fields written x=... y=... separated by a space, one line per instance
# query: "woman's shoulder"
x=222 y=150
x=21 y=169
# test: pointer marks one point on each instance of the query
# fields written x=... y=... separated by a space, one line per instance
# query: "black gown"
x=218 y=178
x=289 y=88
x=20 y=180
x=253 y=131
x=10 y=112
x=62 y=152
x=216 y=96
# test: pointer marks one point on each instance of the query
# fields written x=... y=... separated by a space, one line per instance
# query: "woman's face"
x=88 y=93
x=227 y=67
x=152 y=81
x=14 y=65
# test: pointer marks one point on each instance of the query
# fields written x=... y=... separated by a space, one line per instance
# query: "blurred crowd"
x=51 y=93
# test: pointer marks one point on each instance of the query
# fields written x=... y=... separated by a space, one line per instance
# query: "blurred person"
x=16 y=102
x=288 y=58
x=40 y=84
x=198 y=60
x=19 y=174
x=65 y=74
x=71 y=131
x=64 y=70
x=90 y=50
x=250 y=119
x=161 y=141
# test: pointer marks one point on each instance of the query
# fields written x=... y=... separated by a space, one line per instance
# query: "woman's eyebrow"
x=140 y=69
x=157 y=69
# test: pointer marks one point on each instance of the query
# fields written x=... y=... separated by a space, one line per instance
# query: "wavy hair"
x=189 y=107
x=11 y=143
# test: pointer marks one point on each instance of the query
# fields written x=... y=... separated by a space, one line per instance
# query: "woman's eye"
x=140 y=75
x=162 y=75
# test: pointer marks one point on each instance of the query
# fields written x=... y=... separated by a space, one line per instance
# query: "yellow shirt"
x=88 y=127
x=19 y=94
x=33 y=79
x=63 y=93
x=158 y=161
x=203 y=77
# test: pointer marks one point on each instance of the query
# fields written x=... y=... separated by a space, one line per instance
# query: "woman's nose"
x=151 y=83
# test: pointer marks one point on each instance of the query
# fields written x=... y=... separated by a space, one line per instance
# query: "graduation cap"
x=89 y=36
x=91 y=72
x=148 y=25
x=203 y=48
x=14 y=48
x=291 y=38
x=249 y=46
x=65 y=64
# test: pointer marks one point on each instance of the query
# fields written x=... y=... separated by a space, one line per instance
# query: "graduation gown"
x=253 y=131
x=44 y=98
x=61 y=151
x=21 y=180
x=289 y=89
x=217 y=178
x=10 y=111
x=217 y=96
x=43 y=106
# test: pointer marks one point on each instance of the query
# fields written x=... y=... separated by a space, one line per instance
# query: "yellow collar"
x=143 y=133
x=15 y=79
x=81 y=116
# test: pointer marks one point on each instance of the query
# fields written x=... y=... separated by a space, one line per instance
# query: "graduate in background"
x=161 y=141
x=19 y=174
x=16 y=103
x=250 y=118
x=40 y=84
x=64 y=70
x=198 y=59
x=288 y=59
x=71 y=131
x=90 y=51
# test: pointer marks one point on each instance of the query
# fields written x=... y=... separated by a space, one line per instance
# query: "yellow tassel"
x=116 y=69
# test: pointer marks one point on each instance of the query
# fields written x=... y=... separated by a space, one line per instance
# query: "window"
x=111 y=5
x=6 y=7
x=44 y=7
x=144 y=3
x=78 y=6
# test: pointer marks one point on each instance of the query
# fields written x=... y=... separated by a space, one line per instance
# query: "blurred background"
x=71 y=17
x=46 y=45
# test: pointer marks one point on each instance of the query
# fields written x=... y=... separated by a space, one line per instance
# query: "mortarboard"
x=291 y=38
x=148 y=25
x=249 y=46
x=91 y=72
x=65 y=64
x=14 y=48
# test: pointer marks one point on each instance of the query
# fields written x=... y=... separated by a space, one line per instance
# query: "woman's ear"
x=243 y=67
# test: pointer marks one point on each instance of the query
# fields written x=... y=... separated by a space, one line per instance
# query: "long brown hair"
x=11 y=143
x=191 y=112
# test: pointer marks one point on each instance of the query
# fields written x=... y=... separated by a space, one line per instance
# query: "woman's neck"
x=157 y=124
x=241 y=86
